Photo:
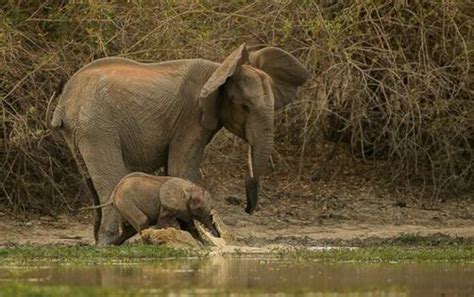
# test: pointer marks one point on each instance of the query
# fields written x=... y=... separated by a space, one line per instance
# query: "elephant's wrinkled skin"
x=145 y=200
x=119 y=116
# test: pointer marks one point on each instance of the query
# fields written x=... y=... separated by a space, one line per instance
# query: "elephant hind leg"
x=98 y=211
x=94 y=196
x=127 y=232
x=103 y=158
x=132 y=214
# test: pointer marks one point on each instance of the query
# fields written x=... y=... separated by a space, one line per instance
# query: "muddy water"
x=243 y=276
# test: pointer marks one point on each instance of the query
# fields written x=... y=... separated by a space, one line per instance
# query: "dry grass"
x=390 y=78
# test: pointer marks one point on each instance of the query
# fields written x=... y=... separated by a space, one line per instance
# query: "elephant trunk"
x=260 y=150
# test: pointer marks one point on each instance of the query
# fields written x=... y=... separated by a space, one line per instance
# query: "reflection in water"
x=245 y=275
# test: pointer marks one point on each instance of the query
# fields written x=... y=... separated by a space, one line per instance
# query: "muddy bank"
x=342 y=207
x=78 y=231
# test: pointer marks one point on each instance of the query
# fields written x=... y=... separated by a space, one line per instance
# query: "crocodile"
x=179 y=238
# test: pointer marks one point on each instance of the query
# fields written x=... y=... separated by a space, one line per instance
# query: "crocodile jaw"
x=207 y=236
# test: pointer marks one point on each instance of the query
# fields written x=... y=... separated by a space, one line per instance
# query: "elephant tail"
x=57 y=121
x=96 y=206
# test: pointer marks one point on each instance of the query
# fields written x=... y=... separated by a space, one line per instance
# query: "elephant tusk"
x=250 y=161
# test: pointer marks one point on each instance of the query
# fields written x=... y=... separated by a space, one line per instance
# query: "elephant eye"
x=245 y=107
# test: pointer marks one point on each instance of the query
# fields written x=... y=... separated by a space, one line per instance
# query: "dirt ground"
x=308 y=205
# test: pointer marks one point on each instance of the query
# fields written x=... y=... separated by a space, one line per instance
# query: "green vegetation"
x=404 y=240
x=405 y=247
x=91 y=254
x=144 y=253
x=33 y=291
x=389 y=78
x=388 y=254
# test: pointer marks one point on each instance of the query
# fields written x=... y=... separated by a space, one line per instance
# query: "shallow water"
x=249 y=276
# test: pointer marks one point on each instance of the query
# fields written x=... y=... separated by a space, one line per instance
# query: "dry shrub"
x=389 y=77
x=399 y=87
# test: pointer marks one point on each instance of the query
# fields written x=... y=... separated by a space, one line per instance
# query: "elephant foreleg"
x=166 y=219
x=191 y=228
x=185 y=156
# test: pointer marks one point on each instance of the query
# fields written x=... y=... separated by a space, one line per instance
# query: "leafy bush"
x=391 y=78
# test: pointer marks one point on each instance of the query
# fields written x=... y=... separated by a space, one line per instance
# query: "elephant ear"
x=208 y=95
x=194 y=201
x=286 y=71
x=173 y=195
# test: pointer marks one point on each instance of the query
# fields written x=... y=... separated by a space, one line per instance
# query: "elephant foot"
x=108 y=238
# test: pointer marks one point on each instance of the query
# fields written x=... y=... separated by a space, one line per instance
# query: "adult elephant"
x=119 y=116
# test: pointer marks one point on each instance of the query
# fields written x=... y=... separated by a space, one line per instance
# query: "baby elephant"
x=145 y=200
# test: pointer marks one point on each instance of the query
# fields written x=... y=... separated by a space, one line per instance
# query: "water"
x=253 y=276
